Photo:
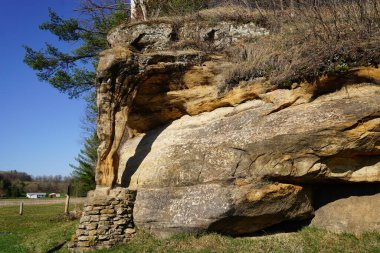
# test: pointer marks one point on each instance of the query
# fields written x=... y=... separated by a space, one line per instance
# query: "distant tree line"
x=12 y=183
x=17 y=184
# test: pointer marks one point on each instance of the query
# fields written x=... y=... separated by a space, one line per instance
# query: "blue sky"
x=39 y=127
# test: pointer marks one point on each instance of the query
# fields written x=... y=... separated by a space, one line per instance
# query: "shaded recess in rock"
x=327 y=193
x=142 y=150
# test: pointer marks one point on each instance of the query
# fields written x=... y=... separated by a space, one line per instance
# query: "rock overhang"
x=232 y=162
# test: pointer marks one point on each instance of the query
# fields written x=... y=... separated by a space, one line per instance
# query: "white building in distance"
x=36 y=195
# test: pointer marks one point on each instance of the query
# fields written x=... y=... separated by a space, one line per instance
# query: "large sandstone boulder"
x=228 y=209
x=356 y=214
x=206 y=172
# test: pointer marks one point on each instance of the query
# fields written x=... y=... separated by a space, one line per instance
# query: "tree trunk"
x=134 y=13
x=143 y=9
x=139 y=10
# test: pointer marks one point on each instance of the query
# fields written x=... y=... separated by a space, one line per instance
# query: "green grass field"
x=37 y=230
x=306 y=240
x=42 y=226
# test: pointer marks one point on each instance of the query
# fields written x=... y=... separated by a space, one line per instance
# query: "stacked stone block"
x=107 y=220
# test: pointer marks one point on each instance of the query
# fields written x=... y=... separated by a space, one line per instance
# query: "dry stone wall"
x=107 y=220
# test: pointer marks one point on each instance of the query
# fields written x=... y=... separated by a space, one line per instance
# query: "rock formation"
x=356 y=215
x=234 y=161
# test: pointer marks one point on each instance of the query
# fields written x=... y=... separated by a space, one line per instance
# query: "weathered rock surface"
x=233 y=162
x=228 y=209
x=143 y=82
x=356 y=214
x=333 y=138
x=198 y=171
x=162 y=35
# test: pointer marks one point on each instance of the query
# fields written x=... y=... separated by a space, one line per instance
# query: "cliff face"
x=142 y=82
x=234 y=161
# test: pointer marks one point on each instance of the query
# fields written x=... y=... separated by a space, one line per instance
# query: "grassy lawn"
x=42 y=226
x=37 y=230
x=306 y=240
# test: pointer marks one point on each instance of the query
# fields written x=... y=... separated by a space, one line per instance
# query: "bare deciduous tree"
x=139 y=10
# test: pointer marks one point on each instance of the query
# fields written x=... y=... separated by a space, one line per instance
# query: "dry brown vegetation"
x=308 y=38
x=214 y=15
x=308 y=41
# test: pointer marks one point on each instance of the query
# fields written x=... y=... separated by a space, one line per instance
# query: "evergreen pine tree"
x=84 y=172
x=73 y=72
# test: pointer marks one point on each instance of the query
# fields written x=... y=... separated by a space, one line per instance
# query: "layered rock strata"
x=142 y=81
x=225 y=156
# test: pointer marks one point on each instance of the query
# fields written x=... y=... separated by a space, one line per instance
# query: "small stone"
x=81 y=232
x=118 y=231
x=109 y=215
x=84 y=219
x=107 y=211
x=104 y=237
x=102 y=230
x=71 y=245
x=92 y=232
x=95 y=218
x=82 y=238
x=121 y=221
x=99 y=203
x=110 y=242
x=91 y=239
x=130 y=231
x=84 y=244
x=92 y=226
x=93 y=212
x=104 y=223
x=121 y=211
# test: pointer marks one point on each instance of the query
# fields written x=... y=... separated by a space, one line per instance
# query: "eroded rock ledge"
x=233 y=162
x=143 y=81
